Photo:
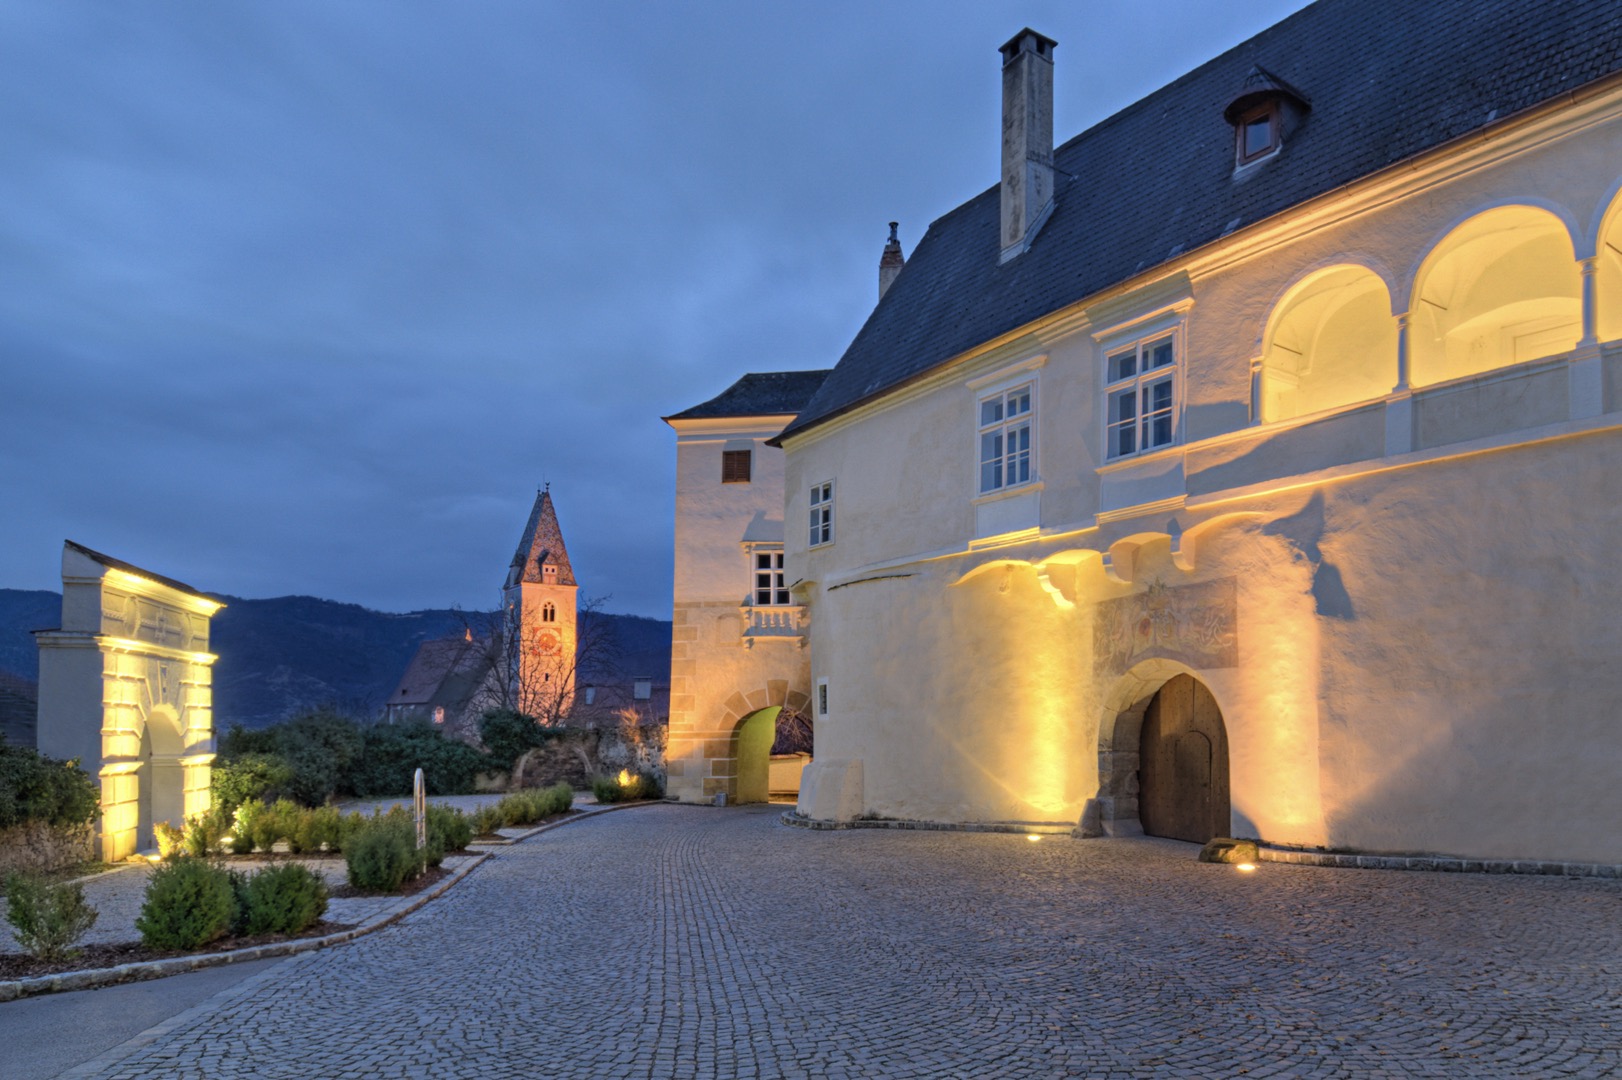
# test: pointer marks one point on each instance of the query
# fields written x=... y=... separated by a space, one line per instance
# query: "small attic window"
x=1260 y=112
x=1258 y=132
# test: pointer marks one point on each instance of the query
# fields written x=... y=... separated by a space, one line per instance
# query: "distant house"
x=443 y=683
x=1248 y=463
x=740 y=674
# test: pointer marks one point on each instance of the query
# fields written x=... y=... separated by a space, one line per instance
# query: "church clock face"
x=546 y=642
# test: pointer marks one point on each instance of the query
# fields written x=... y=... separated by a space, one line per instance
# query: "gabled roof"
x=439 y=671
x=1387 y=79
x=763 y=393
x=541 y=544
x=130 y=568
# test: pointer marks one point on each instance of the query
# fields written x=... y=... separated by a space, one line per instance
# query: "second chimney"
x=1027 y=139
x=891 y=262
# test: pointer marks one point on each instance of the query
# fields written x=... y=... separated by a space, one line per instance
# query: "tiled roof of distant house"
x=444 y=671
x=762 y=393
x=1386 y=80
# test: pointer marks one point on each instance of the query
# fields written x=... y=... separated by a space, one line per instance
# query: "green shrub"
x=320 y=827
x=47 y=920
x=189 y=903
x=507 y=734
x=205 y=833
x=452 y=828
x=383 y=856
x=393 y=752
x=37 y=788
x=248 y=776
x=283 y=899
x=530 y=805
x=608 y=789
x=171 y=839
x=487 y=819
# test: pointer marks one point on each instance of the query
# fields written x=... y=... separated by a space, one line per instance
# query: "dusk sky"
x=309 y=297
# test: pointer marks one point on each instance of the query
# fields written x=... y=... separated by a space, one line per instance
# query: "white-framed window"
x=822 y=513
x=1140 y=394
x=1007 y=435
x=769 y=588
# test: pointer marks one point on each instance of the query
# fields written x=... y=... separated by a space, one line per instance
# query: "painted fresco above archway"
x=1196 y=624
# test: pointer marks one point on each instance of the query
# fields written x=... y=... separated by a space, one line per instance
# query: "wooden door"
x=1183 y=764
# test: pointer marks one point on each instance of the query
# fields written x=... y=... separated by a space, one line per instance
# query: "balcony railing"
x=775 y=622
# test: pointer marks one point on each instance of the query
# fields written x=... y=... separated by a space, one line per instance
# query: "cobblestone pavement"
x=691 y=942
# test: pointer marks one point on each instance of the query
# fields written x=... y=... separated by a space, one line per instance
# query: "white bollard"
x=419 y=803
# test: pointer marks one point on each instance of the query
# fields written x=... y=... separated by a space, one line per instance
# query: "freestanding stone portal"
x=125 y=686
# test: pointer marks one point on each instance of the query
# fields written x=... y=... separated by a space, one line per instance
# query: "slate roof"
x=542 y=543
x=1387 y=80
x=762 y=393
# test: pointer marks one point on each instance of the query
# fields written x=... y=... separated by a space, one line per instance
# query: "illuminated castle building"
x=1251 y=463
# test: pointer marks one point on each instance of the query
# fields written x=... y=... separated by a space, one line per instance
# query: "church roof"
x=541 y=544
x=1387 y=80
x=438 y=670
x=761 y=393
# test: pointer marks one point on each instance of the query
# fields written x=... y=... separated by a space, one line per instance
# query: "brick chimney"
x=1027 y=139
x=891 y=262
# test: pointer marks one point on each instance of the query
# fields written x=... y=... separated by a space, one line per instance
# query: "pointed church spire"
x=541 y=547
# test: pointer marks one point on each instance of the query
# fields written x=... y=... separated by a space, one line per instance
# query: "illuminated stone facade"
x=1348 y=457
x=738 y=654
x=125 y=686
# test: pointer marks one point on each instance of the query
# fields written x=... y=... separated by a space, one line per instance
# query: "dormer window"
x=549 y=573
x=1265 y=109
x=1258 y=132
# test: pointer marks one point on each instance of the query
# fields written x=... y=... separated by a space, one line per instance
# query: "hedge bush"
x=282 y=899
x=608 y=789
x=524 y=807
x=383 y=856
x=37 y=788
x=47 y=920
x=393 y=753
x=188 y=904
x=508 y=734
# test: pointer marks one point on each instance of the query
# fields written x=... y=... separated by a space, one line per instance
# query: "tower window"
x=735 y=466
x=549 y=613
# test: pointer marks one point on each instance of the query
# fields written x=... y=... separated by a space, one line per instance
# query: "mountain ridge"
x=286 y=653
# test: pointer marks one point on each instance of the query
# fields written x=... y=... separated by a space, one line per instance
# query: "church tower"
x=539 y=602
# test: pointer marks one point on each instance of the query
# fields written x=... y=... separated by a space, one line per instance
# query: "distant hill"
x=278 y=656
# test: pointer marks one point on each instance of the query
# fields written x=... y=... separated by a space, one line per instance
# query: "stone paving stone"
x=688 y=942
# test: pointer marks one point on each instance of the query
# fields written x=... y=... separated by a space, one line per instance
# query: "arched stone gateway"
x=734 y=758
x=1137 y=721
x=125 y=687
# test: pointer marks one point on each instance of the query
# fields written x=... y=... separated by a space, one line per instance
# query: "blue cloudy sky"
x=309 y=297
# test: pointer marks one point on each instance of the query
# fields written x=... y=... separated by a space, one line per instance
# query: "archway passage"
x=1183 y=764
x=753 y=741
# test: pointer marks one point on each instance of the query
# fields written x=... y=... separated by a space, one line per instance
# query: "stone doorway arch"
x=1114 y=811
x=160 y=775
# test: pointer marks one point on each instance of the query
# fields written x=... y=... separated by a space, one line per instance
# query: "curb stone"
x=1286 y=856
x=1037 y=828
x=550 y=825
x=66 y=981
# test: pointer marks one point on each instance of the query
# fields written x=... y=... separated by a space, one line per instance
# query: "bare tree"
x=531 y=670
